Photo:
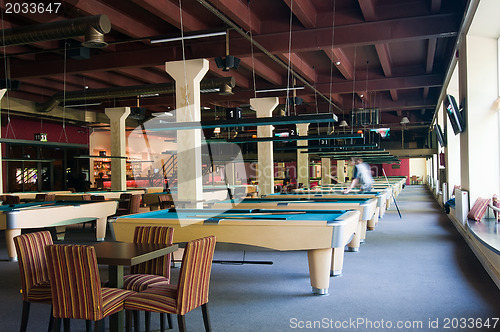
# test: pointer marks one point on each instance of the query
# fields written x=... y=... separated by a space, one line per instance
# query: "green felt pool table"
x=323 y=234
x=14 y=218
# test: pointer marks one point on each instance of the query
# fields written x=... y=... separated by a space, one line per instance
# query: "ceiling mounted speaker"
x=230 y=62
x=219 y=61
x=9 y=84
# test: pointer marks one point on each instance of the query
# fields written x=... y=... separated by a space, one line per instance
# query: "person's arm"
x=354 y=182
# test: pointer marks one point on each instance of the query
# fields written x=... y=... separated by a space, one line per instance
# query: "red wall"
x=404 y=170
x=26 y=129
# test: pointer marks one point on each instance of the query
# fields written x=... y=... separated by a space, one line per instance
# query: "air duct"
x=123 y=92
x=92 y=27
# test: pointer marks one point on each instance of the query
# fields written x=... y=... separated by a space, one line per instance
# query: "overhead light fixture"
x=229 y=62
x=405 y=120
x=343 y=123
x=226 y=91
x=280 y=89
x=202 y=35
x=286 y=139
x=328 y=147
x=217 y=130
x=149 y=95
x=81 y=105
x=264 y=121
x=162 y=114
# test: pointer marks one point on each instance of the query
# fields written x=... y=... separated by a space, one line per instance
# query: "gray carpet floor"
x=415 y=273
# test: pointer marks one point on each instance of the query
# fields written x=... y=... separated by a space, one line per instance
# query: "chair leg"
x=88 y=326
x=137 y=324
x=57 y=325
x=206 y=317
x=128 y=321
x=147 y=320
x=51 y=319
x=67 y=325
x=162 y=322
x=25 y=316
x=100 y=325
x=182 y=323
x=169 y=321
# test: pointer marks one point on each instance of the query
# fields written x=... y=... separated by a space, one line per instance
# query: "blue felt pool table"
x=366 y=206
x=323 y=234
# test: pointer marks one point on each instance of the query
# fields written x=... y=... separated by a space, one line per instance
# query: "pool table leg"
x=319 y=266
x=10 y=234
x=353 y=246
x=337 y=263
x=372 y=222
x=362 y=233
x=60 y=232
x=100 y=228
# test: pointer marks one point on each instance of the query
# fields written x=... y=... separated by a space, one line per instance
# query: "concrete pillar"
x=187 y=76
x=326 y=171
x=340 y=171
x=117 y=118
x=265 y=171
x=2 y=92
x=302 y=158
x=230 y=174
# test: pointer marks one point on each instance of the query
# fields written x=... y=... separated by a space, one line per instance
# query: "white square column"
x=340 y=171
x=265 y=171
x=117 y=116
x=479 y=143
x=187 y=76
x=302 y=158
x=326 y=171
x=2 y=93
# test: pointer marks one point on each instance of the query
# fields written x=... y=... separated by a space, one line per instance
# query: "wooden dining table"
x=117 y=255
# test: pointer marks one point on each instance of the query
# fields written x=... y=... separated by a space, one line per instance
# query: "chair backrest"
x=12 y=199
x=135 y=204
x=74 y=281
x=194 y=276
x=166 y=201
x=154 y=234
x=124 y=201
x=50 y=197
x=40 y=197
x=32 y=260
x=86 y=197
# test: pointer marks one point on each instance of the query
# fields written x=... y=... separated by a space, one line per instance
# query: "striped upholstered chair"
x=35 y=285
x=76 y=286
x=190 y=292
x=155 y=271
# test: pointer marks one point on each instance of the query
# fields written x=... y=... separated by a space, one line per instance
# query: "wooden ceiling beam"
x=170 y=12
x=239 y=13
x=304 y=10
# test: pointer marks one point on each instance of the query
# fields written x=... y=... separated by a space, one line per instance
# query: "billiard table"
x=323 y=234
x=314 y=194
x=366 y=206
x=14 y=218
x=108 y=195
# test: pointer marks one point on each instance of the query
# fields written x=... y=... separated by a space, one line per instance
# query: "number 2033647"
x=32 y=7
